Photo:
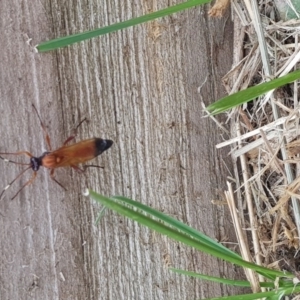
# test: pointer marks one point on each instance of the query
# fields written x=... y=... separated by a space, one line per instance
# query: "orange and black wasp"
x=65 y=156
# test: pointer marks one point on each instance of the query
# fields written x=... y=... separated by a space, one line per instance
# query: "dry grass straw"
x=264 y=144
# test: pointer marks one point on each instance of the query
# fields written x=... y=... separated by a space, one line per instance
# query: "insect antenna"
x=25 y=184
x=12 y=161
x=15 y=180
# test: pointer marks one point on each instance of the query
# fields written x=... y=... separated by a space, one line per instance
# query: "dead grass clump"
x=265 y=137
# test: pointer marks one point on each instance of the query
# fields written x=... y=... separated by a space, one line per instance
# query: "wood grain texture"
x=142 y=88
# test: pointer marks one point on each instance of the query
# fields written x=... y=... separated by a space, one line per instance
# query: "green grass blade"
x=251 y=93
x=275 y=294
x=75 y=38
x=242 y=283
x=100 y=215
x=132 y=210
x=179 y=226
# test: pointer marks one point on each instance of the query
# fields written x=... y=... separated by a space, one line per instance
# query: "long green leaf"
x=159 y=225
x=242 y=283
x=179 y=226
x=251 y=93
x=275 y=294
x=79 y=37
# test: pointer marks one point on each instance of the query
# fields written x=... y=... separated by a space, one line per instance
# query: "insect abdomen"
x=101 y=145
x=75 y=154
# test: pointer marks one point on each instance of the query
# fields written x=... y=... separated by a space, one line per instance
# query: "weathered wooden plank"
x=139 y=87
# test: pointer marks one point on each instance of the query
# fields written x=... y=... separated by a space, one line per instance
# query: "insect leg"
x=13 y=182
x=78 y=169
x=72 y=137
x=47 y=138
x=53 y=178
x=85 y=167
x=92 y=166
